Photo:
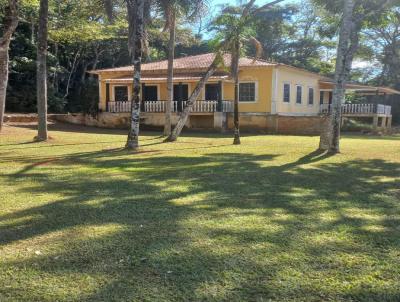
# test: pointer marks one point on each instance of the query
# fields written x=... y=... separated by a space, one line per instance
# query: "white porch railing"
x=116 y=107
x=154 y=106
x=359 y=109
x=383 y=109
x=160 y=106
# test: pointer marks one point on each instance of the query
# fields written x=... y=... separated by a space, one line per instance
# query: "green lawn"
x=197 y=220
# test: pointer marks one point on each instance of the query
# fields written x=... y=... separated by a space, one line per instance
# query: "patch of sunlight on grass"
x=374 y=228
x=98 y=231
x=193 y=199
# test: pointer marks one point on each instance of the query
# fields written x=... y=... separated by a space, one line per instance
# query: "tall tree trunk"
x=235 y=73
x=74 y=64
x=109 y=8
x=9 y=26
x=348 y=43
x=192 y=99
x=170 y=83
x=135 y=13
x=55 y=73
x=41 y=73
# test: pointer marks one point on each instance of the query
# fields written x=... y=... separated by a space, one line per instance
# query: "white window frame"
x=283 y=92
x=323 y=97
x=120 y=85
x=308 y=96
x=256 y=94
x=301 y=95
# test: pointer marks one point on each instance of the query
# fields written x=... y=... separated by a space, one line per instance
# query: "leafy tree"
x=355 y=16
x=382 y=41
x=297 y=35
x=173 y=10
x=236 y=28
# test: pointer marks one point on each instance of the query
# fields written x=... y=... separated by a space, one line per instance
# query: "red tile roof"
x=177 y=77
x=198 y=62
x=365 y=88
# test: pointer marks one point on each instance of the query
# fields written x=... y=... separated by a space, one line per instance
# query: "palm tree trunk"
x=236 y=137
x=235 y=73
x=136 y=8
x=41 y=71
x=9 y=26
x=330 y=137
x=170 y=83
x=193 y=97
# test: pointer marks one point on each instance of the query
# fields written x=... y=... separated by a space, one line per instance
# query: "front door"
x=212 y=92
x=121 y=93
x=150 y=93
x=181 y=93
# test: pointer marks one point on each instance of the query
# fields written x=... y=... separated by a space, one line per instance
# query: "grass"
x=197 y=220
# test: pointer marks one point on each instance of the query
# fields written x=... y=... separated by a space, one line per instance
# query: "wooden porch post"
x=375 y=122
x=142 y=105
x=389 y=122
x=107 y=96
x=180 y=97
x=219 y=107
x=383 y=122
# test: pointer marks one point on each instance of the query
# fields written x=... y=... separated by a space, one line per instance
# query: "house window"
x=247 y=92
x=286 y=93
x=330 y=97
x=299 y=93
x=310 y=96
x=121 y=93
x=321 y=97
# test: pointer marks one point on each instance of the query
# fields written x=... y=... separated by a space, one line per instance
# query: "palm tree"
x=234 y=28
x=136 y=37
x=10 y=23
x=173 y=10
x=41 y=72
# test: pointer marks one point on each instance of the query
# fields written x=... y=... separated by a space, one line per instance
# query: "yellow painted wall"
x=296 y=77
x=263 y=79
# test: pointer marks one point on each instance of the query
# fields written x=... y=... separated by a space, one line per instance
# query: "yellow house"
x=273 y=97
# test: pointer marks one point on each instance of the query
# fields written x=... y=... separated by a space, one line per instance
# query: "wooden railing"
x=200 y=106
x=359 y=109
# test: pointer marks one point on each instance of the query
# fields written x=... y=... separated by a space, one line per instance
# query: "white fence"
x=359 y=109
x=160 y=106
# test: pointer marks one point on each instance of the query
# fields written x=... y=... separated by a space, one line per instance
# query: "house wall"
x=261 y=76
x=296 y=77
x=262 y=123
x=263 y=79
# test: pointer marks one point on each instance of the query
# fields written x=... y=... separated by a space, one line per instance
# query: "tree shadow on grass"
x=213 y=227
